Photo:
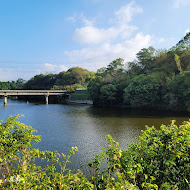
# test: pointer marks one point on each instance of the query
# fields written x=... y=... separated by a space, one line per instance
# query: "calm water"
x=64 y=126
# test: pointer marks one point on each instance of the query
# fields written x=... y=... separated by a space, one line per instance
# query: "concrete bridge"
x=45 y=93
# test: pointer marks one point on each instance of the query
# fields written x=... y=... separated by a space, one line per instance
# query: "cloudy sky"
x=49 y=36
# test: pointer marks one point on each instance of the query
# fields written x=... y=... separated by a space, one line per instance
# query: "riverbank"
x=89 y=102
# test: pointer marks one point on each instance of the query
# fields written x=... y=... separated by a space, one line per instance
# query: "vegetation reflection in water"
x=66 y=126
x=158 y=160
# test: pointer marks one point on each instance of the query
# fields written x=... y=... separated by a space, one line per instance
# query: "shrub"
x=160 y=159
x=17 y=160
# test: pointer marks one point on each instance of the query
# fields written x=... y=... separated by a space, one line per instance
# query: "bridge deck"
x=46 y=93
x=31 y=92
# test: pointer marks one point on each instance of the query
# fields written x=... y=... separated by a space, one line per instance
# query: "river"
x=84 y=126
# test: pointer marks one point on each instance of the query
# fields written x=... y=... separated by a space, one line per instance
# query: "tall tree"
x=185 y=41
x=142 y=92
x=94 y=88
x=145 y=56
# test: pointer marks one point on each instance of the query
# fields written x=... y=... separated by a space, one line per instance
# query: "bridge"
x=45 y=93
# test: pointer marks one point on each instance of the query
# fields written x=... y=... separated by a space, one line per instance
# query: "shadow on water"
x=133 y=113
x=84 y=126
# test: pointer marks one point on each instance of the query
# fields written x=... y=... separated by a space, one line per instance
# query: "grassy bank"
x=80 y=95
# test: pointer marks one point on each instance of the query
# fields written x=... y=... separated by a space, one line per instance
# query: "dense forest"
x=75 y=77
x=156 y=79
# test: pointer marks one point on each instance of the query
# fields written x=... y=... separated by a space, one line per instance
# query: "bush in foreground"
x=160 y=159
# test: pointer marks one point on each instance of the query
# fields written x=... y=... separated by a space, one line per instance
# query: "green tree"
x=75 y=75
x=142 y=92
x=63 y=78
x=101 y=71
x=115 y=65
x=177 y=60
x=94 y=87
x=145 y=56
x=5 y=85
x=108 y=94
x=185 y=41
x=180 y=92
x=40 y=82
x=134 y=69
x=20 y=83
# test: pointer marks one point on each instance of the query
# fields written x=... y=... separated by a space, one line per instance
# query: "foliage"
x=114 y=66
x=148 y=82
x=69 y=88
x=94 y=88
x=17 y=162
x=145 y=56
x=160 y=159
x=180 y=91
x=156 y=79
x=185 y=40
x=106 y=168
x=177 y=60
x=75 y=75
x=40 y=82
x=80 y=95
x=108 y=94
x=13 y=85
x=142 y=91
x=5 y=85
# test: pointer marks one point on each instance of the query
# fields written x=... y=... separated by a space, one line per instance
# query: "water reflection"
x=64 y=126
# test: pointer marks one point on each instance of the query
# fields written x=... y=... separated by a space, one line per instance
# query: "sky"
x=50 y=36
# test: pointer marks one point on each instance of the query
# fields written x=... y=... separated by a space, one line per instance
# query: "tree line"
x=71 y=79
x=156 y=79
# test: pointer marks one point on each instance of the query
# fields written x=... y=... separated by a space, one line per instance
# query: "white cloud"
x=8 y=74
x=94 y=35
x=72 y=18
x=187 y=31
x=101 y=56
x=86 y=21
x=51 y=68
x=180 y=3
x=90 y=34
x=125 y=13
x=81 y=17
x=119 y=40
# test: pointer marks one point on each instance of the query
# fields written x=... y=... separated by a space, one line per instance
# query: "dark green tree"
x=94 y=87
x=145 y=56
x=40 y=82
x=185 y=41
x=75 y=75
x=180 y=92
x=142 y=92
x=108 y=94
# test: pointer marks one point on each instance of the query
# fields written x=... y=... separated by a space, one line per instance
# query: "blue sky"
x=50 y=36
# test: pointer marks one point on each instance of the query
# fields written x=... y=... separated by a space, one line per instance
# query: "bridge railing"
x=45 y=93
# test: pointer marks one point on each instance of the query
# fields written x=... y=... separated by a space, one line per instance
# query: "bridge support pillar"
x=5 y=100
x=46 y=96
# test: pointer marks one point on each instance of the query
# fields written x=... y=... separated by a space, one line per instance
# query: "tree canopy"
x=156 y=79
